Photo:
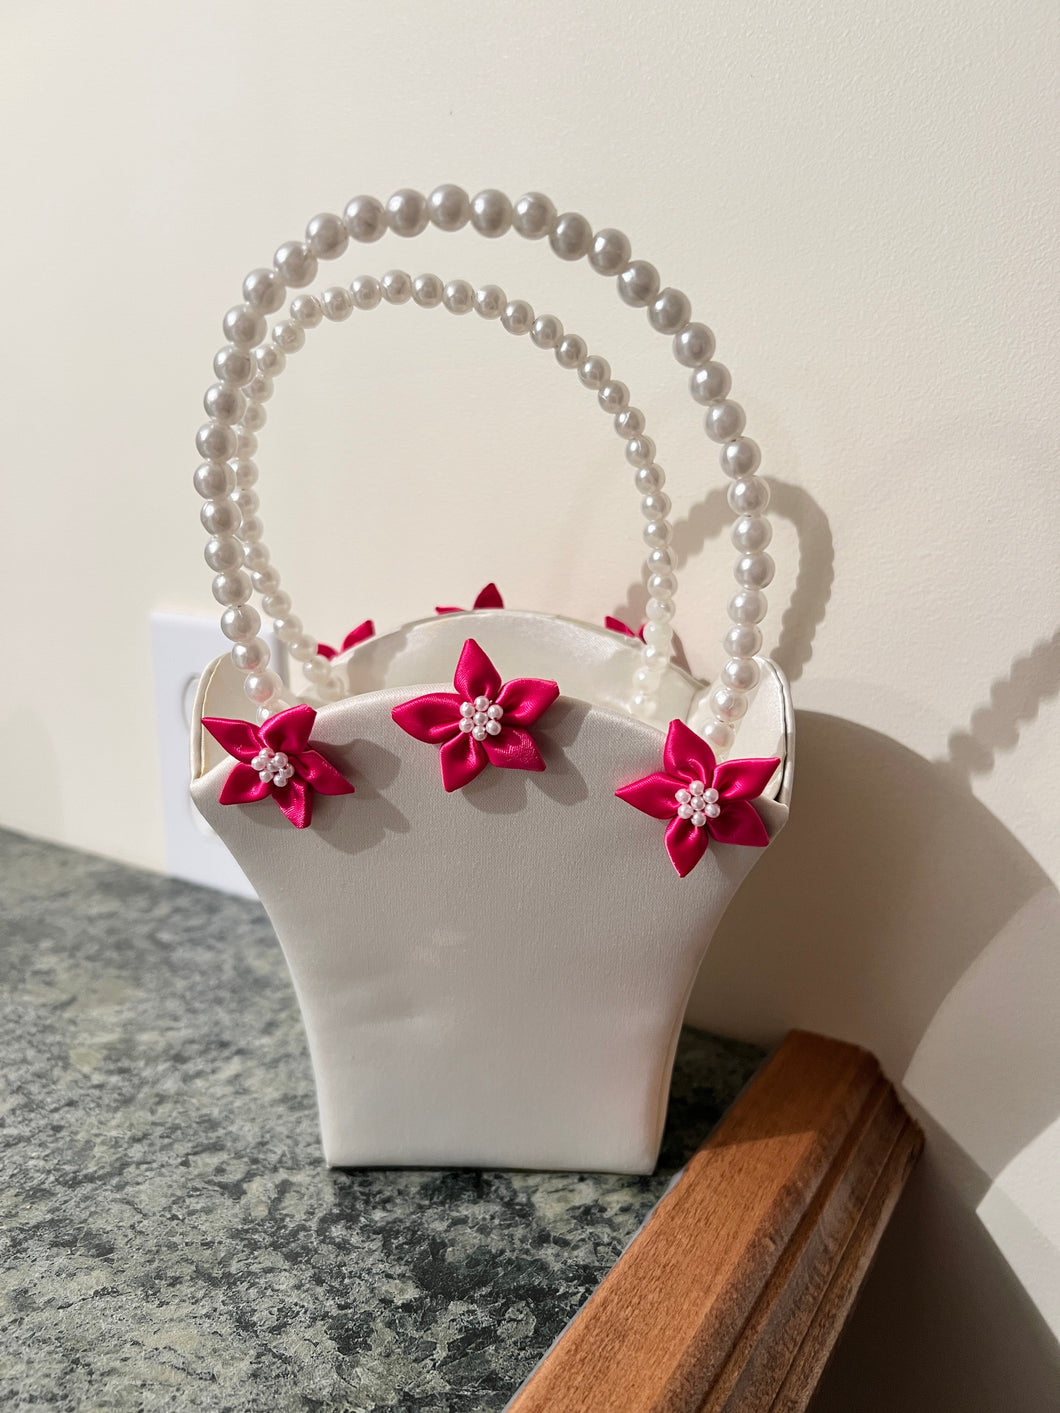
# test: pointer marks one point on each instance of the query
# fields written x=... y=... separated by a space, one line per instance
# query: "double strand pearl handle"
x=254 y=355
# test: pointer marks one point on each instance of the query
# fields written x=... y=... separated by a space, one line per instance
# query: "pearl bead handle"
x=254 y=355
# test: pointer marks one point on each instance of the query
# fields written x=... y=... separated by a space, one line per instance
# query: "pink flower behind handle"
x=276 y=759
x=701 y=799
x=617 y=626
x=489 y=597
x=482 y=723
x=353 y=637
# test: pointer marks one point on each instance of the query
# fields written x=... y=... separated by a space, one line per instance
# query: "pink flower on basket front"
x=276 y=759
x=481 y=723
x=701 y=799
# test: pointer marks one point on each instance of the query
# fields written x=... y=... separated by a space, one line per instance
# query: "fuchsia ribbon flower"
x=701 y=799
x=490 y=597
x=276 y=759
x=481 y=723
x=353 y=637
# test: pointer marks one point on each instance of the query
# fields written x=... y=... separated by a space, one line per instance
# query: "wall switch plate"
x=182 y=645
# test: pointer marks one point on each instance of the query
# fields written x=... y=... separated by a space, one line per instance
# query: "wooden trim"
x=731 y=1297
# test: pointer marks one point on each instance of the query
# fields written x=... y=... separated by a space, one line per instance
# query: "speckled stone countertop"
x=169 y=1235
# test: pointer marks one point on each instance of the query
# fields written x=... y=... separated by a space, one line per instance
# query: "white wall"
x=860 y=200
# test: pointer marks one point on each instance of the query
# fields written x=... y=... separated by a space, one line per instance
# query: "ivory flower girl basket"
x=494 y=842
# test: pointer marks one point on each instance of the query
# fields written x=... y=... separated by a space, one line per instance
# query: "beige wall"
x=860 y=200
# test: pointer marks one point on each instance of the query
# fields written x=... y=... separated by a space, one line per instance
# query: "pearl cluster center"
x=273 y=767
x=697 y=804
x=481 y=718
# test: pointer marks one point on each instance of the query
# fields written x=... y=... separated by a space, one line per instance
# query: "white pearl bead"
x=271 y=360
x=741 y=674
x=693 y=345
x=448 y=207
x=740 y=458
x=712 y=811
x=495 y=712
x=296 y=263
x=277 y=604
x=396 y=287
x=248 y=657
x=243 y=325
x=748 y=606
x=230 y=589
x=317 y=669
x=265 y=290
x=656 y=656
x=490 y=301
x=571 y=350
x=749 y=496
x=240 y=623
x=649 y=478
x=755 y=571
x=233 y=365
x=670 y=311
x=629 y=422
x=246 y=442
x=407 y=213
x=303 y=649
x=467 y=709
x=719 y=735
x=224 y=403
x=595 y=372
x=696 y=787
x=609 y=252
x=533 y=216
x=261 y=687
x=644 y=704
x=699 y=818
x=427 y=291
x=658 y=635
x=365 y=219
x=326 y=236
x=223 y=554
x=493 y=728
x=480 y=718
x=728 y=704
x=288 y=336
x=656 y=506
x=662 y=586
x=518 y=317
x=481 y=703
x=640 y=451
x=546 y=331
x=659 y=610
x=259 y=389
x=646 y=677
x=220 y=517
x=337 y=303
x=466 y=724
x=657 y=533
x=365 y=292
x=215 y=441
x=213 y=479
x=288 y=629
x=305 y=310
x=458 y=297
x=266 y=580
x=245 y=472
x=613 y=397
x=683 y=797
x=723 y=421
x=684 y=810
x=255 y=416
x=711 y=796
x=571 y=236
x=479 y=733
x=638 y=283
x=751 y=533
x=710 y=383
x=256 y=557
x=661 y=561
x=251 y=530
x=491 y=213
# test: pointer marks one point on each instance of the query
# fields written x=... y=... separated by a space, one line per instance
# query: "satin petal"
x=462 y=759
x=653 y=794
x=433 y=718
x=744 y=779
x=687 y=754
x=360 y=634
x=685 y=844
x=289 y=730
x=617 y=626
x=739 y=823
x=513 y=749
x=525 y=699
x=326 y=650
x=296 y=800
x=321 y=774
x=475 y=675
x=242 y=786
x=490 y=597
x=239 y=738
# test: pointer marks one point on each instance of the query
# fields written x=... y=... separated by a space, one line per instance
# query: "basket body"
x=494 y=977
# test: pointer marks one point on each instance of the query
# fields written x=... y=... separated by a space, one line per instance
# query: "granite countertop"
x=169 y=1235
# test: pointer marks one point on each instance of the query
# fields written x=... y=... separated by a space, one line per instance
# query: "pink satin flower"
x=481 y=723
x=617 y=626
x=701 y=799
x=490 y=597
x=276 y=759
x=353 y=637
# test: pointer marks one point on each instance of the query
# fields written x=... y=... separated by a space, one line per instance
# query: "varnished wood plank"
x=713 y=1305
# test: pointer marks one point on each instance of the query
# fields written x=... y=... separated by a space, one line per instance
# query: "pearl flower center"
x=481 y=718
x=273 y=767
x=697 y=803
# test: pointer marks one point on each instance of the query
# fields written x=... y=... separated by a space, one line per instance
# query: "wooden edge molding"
x=730 y=1298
